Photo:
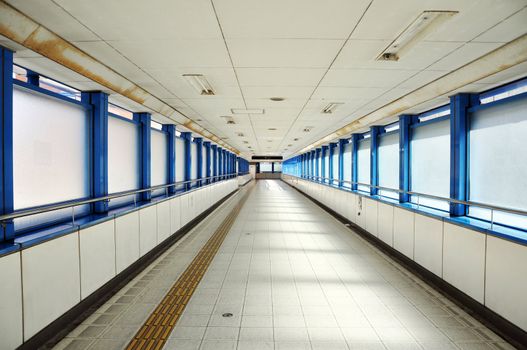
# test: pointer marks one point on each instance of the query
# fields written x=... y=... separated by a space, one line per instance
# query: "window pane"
x=326 y=166
x=204 y=162
x=335 y=165
x=277 y=167
x=265 y=167
x=347 y=164
x=430 y=163
x=123 y=158
x=497 y=174
x=50 y=152
x=194 y=161
x=159 y=158
x=363 y=164
x=180 y=160
x=388 y=154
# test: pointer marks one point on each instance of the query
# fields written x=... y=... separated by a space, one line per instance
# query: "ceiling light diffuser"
x=199 y=83
x=331 y=107
x=426 y=23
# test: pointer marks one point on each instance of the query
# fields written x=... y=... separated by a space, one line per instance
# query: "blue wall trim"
x=354 y=169
x=405 y=121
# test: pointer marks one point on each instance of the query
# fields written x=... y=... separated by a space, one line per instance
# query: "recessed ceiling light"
x=271 y=129
x=296 y=139
x=199 y=83
x=426 y=23
x=289 y=145
x=331 y=107
x=247 y=111
x=277 y=99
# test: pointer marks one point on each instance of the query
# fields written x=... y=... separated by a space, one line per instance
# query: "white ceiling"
x=307 y=51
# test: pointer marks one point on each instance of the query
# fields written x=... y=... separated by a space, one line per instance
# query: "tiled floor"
x=294 y=278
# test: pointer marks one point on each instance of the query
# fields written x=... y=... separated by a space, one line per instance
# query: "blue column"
x=354 y=163
x=331 y=153
x=33 y=78
x=99 y=134
x=374 y=159
x=171 y=131
x=6 y=141
x=342 y=142
x=317 y=160
x=220 y=163
x=214 y=161
x=405 y=122
x=187 y=138
x=199 y=143
x=323 y=169
x=144 y=120
x=207 y=161
x=224 y=163
x=459 y=128
x=312 y=155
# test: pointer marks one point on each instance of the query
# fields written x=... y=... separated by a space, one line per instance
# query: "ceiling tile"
x=507 y=30
x=280 y=76
x=381 y=78
x=463 y=55
x=299 y=53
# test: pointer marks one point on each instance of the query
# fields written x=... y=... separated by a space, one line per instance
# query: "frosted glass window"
x=363 y=164
x=388 y=154
x=497 y=165
x=326 y=167
x=335 y=165
x=51 y=157
x=180 y=161
x=204 y=162
x=347 y=165
x=194 y=161
x=159 y=159
x=266 y=167
x=124 y=167
x=430 y=163
x=277 y=167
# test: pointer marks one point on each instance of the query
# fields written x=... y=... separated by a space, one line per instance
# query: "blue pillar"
x=220 y=163
x=6 y=141
x=99 y=133
x=199 y=144
x=224 y=163
x=405 y=122
x=214 y=161
x=187 y=138
x=144 y=120
x=323 y=169
x=342 y=142
x=33 y=78
x=317 y=160
x=354 y=163
x=207 y=161
x=331 y=153
x=171 y=131
x=312 y=155
x=458 y=151
x=374 y=159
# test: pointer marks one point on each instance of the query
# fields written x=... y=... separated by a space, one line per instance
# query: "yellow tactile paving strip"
x=157 y=328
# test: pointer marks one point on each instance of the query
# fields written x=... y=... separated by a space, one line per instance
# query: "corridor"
x=290 y=276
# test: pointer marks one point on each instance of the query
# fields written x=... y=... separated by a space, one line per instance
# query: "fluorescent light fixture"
x=199 y=83
x=247 y=111
x=426 y=23
x=331 y=107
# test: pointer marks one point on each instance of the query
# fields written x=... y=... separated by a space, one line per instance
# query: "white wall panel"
x=351 y=206
x=506 y=280
x=50 y=276
x=126 y=240
x=403 y=231
x=385 y=223
x=10 y=302
x=428 y=251
x=163 y=221
x=147 y=229
x=464 y=260
x=175 y=214
x=97 y=256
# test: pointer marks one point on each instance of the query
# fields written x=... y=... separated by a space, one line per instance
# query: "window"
x=497 y=94
x=121 y=112
x=335 y=165
x=496 y=162
x=194 y=161
x=204 y=161
x=180 y=161
x=347 y=164
x=430 y=163
x=159 y=159
x=124 y=166
x=363 y=164
x=277 y=167
x=266 y=167
x=50 y=151
x=388 y=163
x=326 y=167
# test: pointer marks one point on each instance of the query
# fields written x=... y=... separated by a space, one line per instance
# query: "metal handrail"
x=413 y=193
x=76 y=203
